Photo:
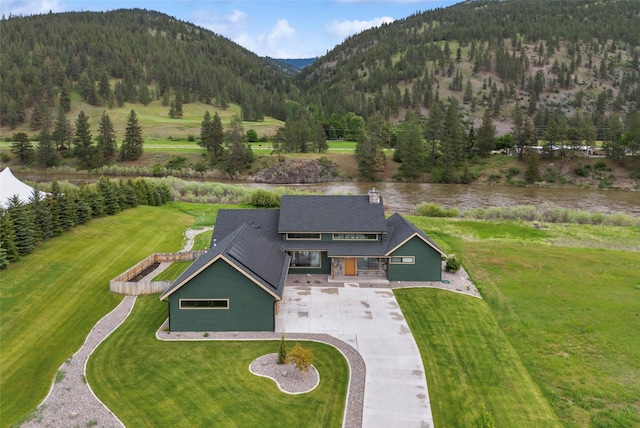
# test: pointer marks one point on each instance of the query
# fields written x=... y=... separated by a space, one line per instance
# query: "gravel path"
x=70 y=401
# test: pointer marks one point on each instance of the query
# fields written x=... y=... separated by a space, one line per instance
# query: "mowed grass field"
x=567 y=301
x=52 y=298
x=206 y=383
x=555 y=342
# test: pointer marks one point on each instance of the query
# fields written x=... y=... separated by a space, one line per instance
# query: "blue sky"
x=279 y=29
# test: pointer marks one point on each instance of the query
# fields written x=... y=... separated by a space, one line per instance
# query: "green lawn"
x=173 y=272
x=206 y=383
x=573 y=315
x=568 y=301
x=469 y=362
x=52 y=298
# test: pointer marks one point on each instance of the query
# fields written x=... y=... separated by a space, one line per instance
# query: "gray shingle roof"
x=331 y=214
x=251 y=252
x=402 y=229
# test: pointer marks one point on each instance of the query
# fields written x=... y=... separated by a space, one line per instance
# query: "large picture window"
x=204 y=303
x=300 y=259
x=368 y=263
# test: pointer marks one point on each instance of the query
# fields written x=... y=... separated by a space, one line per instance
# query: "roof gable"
x=247 y=251
x=331 y=214
x=402 y=231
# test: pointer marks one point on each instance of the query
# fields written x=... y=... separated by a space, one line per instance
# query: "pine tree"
x=133 y=143
x=238 y=154
x=42 y=215
x=106 y=138
x=412 y=148
x=61 y=135
x=452 y=143
x=8 y=236
x=46 y=152
x=83 y=145
x=22 y=147
x=486 y=141
x=23 y=224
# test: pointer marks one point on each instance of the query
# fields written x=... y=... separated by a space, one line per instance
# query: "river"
x=403 y=197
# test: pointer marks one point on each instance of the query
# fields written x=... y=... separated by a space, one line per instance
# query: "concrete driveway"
x=370 y=320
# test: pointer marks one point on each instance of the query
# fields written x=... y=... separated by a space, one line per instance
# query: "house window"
x=308 y=236
x=403 y=260
x=354 y=236
x=368 y=263
x=204 y=303
x=302 y=259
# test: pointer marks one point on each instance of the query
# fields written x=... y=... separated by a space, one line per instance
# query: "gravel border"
x=71 y=401
x=289 y=379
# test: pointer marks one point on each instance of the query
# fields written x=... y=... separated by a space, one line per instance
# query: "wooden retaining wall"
x=121 y=284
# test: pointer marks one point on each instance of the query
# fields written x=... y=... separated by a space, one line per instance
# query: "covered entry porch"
x=353 y=268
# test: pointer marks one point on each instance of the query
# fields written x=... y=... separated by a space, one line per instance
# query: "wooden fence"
x=122 y=283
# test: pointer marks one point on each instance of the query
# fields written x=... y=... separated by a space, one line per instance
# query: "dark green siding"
x=250 y=307
x=325 y=267
x=428 y=265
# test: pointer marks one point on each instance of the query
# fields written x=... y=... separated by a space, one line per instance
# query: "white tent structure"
x=10 y=186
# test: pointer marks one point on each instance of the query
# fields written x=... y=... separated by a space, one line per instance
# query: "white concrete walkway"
x=370 y=320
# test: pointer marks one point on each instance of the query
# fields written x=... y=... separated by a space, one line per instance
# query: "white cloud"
x=29 y=7
x=229 y=26
x=344 y=29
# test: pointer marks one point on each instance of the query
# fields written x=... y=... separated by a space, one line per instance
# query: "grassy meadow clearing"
x=206 y=383
x=567 y=300
x=554 y=342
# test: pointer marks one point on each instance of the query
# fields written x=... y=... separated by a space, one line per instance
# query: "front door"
x=350 y=267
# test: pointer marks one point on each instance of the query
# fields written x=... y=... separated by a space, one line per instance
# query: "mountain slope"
x=147 y=52
x=556 y=54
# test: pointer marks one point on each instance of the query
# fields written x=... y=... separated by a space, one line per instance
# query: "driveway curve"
x=371 y=321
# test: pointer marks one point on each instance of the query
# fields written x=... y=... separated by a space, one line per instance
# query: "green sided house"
x=237 y=284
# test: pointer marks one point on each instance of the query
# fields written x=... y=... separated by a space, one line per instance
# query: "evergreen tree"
x=632 y=132
x=238 y=154
x=110 y=195
x=62 y=131
x=8 y=236
x=55 y=208
x=106 y=138
x=319 y=139
x=133 y=143
x=532 y=174
x=23 y=224
x=82 y=142
x=486 y=135
x=371 y=157
x=42 y=215
x=65 y=98
x=412 y=148
x=206 y=134
x=46 y=152
x=452 y=143
x=83 y=208
x=434 y=131
x=22 y=147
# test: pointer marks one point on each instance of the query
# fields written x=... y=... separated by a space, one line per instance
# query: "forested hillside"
x=127 y=56
x=573 y=55
x=438 y=89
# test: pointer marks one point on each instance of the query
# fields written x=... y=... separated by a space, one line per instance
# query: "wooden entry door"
x=350 y=267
